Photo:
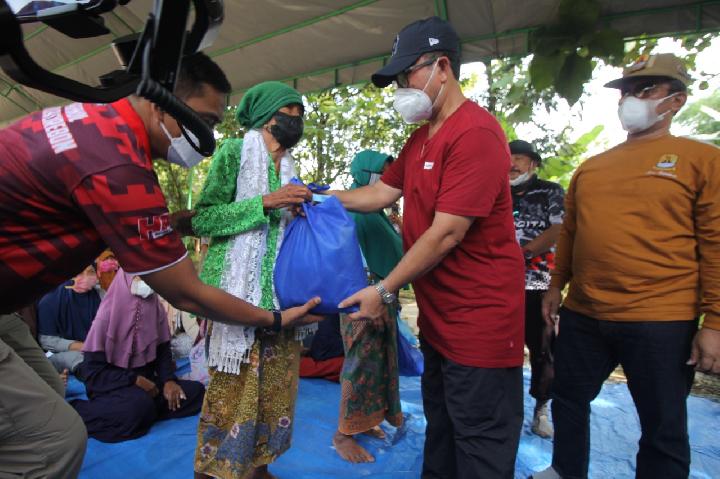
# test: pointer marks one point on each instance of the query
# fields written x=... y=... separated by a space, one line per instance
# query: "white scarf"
x=230 y=345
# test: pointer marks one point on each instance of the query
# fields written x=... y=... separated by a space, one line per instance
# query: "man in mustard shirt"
x=640 y=250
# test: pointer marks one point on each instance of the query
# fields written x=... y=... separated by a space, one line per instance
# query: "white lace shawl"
x=230 y=345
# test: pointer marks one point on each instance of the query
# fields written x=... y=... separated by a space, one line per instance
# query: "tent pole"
x=441 y=9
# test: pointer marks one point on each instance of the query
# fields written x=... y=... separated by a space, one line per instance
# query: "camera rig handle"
x=150 y=72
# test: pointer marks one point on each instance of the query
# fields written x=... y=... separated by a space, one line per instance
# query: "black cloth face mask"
x=287 y=130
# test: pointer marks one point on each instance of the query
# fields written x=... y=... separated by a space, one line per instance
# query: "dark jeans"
x=474 y=416
x=541 y=362
x=653 y=356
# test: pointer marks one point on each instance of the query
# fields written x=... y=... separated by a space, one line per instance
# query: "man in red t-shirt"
x=73 y=181
x=461 y=256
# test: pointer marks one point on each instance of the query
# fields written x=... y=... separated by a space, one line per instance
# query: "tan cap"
x=660 y=65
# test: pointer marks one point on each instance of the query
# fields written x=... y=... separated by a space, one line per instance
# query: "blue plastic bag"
x=410 y=358
x=320 y=256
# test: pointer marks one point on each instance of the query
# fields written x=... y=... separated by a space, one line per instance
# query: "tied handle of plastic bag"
x=317 y=191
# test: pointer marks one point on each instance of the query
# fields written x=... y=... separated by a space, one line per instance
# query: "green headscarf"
x=364 y=163
x=380 y=243
x=261 y=102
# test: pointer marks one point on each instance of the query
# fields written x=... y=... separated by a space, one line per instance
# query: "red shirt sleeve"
x=128 y=210
x=474 y=174
x=394 y=176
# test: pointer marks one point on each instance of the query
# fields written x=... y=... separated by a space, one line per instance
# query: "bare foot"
x=348 y=448
x=376 y=432
x=64 y=376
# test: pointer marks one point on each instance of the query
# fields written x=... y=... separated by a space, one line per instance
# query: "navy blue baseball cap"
x=423 y=36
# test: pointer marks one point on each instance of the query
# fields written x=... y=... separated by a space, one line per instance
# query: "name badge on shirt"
x=428 y=165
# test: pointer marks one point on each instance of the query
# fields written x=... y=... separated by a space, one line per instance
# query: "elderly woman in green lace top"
x=247 y=417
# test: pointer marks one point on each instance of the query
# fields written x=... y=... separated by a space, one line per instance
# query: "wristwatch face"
x=386 y=296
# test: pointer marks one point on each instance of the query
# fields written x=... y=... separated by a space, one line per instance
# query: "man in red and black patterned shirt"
x=73 y=181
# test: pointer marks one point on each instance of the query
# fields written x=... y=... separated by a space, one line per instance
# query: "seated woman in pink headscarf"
x=128 y=368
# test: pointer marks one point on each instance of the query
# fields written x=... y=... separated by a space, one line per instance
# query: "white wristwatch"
x=386 y=296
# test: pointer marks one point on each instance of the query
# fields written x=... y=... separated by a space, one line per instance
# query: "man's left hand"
x=705 y=352
x=173 y=394
x=371 y=306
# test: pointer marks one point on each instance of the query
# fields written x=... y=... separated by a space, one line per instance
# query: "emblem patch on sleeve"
x=154 y=227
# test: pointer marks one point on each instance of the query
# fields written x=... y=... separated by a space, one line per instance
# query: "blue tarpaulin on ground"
x=167 y=451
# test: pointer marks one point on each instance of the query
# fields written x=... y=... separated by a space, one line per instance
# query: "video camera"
x=150 y=60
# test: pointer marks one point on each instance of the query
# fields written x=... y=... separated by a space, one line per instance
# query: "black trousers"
x=474 y=417
x=541 y=361
x=653 y=356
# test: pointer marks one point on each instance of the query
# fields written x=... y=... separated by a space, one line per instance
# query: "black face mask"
x=288 y=130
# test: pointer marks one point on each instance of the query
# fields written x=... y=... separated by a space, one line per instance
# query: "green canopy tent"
x=317 y=44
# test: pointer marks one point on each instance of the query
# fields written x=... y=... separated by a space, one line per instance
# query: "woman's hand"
x=298 y=316
x=146 y=385
x=173 y=394
x=297 y=210
x=181 y=222
x=288 y=195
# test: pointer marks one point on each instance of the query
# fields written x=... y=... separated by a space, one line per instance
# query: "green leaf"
x=508 y=128
x=522 y=114
x=587 y=138
x=515 y=93
x=609 y=45
x=327 y=104
x=552 y=167
x=704 y=85
x=550 y=40
x=545 y=69
x=575 y=72
x=504 y=80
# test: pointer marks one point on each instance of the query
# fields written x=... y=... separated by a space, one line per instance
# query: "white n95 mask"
x=638 y=115
x=415 y=105
x=180 y=151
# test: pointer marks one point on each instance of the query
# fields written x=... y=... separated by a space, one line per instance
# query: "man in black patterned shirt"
x=538 y=212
